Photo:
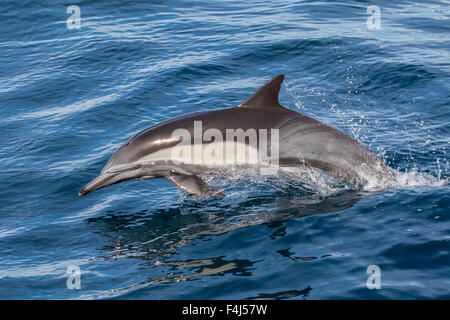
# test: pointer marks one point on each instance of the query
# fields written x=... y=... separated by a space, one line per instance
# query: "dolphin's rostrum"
x=301 y=141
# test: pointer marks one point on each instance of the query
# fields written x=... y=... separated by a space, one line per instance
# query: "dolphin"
x=290 y=141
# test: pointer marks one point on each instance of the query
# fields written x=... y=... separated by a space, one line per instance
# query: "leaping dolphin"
x=294 y=139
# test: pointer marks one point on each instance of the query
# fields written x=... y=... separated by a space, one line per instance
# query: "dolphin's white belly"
x=216 y=154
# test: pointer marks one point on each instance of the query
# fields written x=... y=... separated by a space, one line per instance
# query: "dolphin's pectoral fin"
x=193 y=184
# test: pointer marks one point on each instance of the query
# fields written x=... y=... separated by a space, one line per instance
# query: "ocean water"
x=69 y=97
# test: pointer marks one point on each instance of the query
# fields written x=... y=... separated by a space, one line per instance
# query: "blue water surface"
x=70 y=97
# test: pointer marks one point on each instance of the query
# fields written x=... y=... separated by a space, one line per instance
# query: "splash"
x=397 y=141
x=310 y=184
x=415 y=178
x=241 y=183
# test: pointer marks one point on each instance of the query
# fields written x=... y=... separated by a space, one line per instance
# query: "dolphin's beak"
x=101 y=181
x=116 y=175
x=111 y=177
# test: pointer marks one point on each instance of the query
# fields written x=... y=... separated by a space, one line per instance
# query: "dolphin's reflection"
x=155 y=236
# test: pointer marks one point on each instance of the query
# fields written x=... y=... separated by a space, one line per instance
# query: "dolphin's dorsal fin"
x=267 y=95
